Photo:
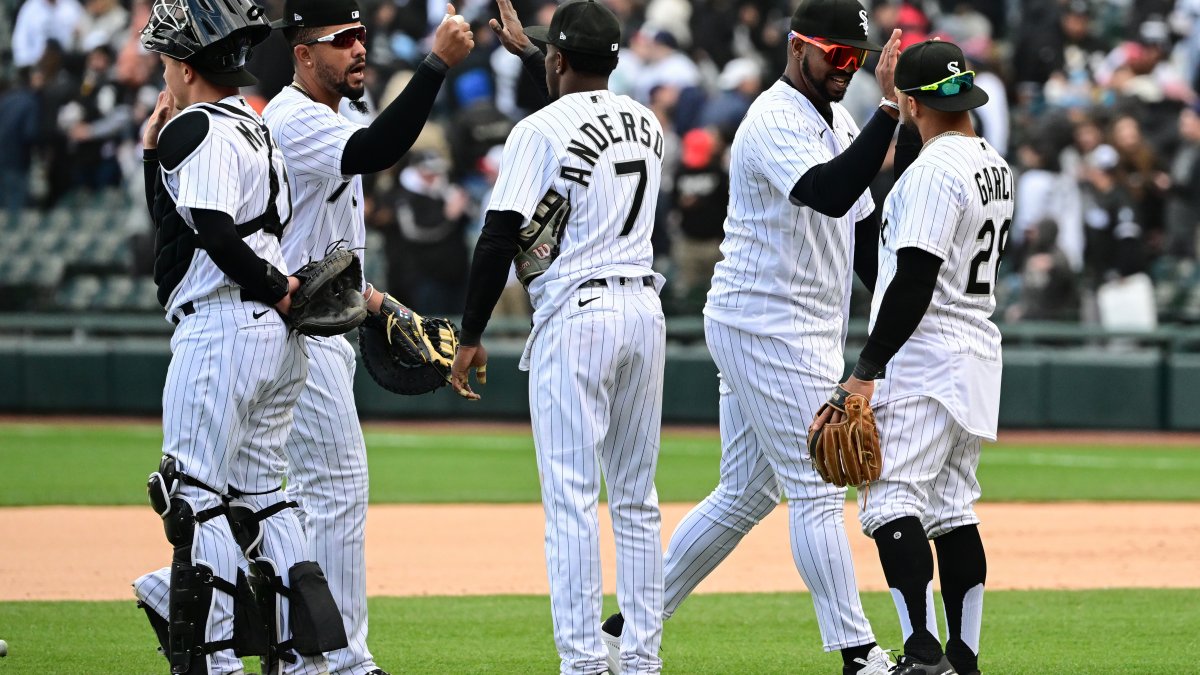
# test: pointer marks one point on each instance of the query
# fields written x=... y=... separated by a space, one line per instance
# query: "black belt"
x=189 y=308
x=624 y=281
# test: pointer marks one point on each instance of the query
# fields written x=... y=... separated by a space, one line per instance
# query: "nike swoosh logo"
x=583 y=302
x=259 y=315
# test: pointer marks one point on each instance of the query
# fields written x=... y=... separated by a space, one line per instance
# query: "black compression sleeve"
x=382 y=144
x=833 y=187
x=236 y=259
x=866 y=249
x=494 y=254
x=904 y=303
x=150 y=171
x=908 y=146
x=534 y=61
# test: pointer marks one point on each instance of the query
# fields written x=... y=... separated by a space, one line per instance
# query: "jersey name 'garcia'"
x=956 y=202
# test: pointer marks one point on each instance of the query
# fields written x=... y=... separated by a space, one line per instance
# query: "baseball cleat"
x=907 y=665
x=610 y=633
x=877 y=663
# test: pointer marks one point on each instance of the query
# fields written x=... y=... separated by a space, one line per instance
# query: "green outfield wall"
x=1043 y=387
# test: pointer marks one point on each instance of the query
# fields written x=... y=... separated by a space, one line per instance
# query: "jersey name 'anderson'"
x=596 y=136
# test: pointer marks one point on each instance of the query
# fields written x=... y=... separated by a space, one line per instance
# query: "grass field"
x=45 y=464
x=1027 y=633
x=1102 y=631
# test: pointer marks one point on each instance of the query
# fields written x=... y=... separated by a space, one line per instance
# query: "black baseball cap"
x=317 y=13
x=582 y=26
x=933 y=61
x=840 y=21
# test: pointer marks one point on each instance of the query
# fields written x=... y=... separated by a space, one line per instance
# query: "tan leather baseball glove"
x=845 y=450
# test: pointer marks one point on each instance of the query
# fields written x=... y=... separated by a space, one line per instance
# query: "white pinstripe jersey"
x=227 y=172
x=328 y=204
x=787 y=269
x=604 y=153
x=955 y=201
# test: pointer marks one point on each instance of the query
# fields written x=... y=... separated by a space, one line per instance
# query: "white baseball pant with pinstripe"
x=768 y=397
x=328 y=476
x=595 y=394
x=236 y=372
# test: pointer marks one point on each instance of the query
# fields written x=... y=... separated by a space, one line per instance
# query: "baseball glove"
x=328 y=301
x=539 y=239
x=405 y=352
x=846 y=452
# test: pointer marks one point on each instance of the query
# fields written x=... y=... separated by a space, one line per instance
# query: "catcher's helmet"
x=215 y=36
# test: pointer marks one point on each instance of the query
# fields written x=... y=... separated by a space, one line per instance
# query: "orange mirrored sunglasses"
x=838 y=56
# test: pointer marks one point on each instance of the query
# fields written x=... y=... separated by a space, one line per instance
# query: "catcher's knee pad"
x=316 y=622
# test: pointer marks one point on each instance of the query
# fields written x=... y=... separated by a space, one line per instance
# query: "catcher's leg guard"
x=159 y=624
x=190 y=597
x=192 y=586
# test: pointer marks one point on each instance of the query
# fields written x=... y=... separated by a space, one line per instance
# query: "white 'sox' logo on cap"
x=953 y=67
x=862 y=15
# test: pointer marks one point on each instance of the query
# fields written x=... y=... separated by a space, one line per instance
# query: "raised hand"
x=453 y=39
x=508 y=29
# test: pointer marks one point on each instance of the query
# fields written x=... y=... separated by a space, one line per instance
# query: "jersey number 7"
x=989 y=239
x=634 y=167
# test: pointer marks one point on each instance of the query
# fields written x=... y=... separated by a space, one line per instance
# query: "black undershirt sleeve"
x=494 y=253
x=235 y=258
x=866 y=249
x=908 y=146
x=534 y=61
x=904 y=303
x=382 y=144
x=833 y=187
x=150 y=171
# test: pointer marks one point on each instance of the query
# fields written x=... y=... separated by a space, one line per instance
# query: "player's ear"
x=302 y=54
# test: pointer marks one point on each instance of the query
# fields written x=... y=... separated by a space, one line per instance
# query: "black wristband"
x=434 y=61
x=867 y=371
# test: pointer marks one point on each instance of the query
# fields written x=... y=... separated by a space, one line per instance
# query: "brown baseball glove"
x=845 y=450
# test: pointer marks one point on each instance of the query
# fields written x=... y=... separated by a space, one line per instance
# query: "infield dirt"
x=497 y=549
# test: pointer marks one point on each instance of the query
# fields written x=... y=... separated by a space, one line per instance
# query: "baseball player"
x=945 y=226
x=326 y=154
x=574 y=202
x=800 y=222
x=219 y=197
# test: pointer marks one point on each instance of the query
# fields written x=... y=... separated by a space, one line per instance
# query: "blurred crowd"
x=1093 y=102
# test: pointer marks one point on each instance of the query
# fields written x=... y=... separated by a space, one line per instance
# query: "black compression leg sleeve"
x=908 y=567
x=962 y=569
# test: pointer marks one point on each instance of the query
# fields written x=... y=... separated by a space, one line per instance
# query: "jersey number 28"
x=989 y=240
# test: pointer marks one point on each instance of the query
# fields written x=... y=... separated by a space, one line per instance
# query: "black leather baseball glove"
x=405 y=352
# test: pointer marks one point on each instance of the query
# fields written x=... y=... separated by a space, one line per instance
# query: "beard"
x=339 y=82
x=823 y=87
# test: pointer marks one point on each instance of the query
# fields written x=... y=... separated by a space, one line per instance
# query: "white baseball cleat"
x=877 y=663
x=612 y=642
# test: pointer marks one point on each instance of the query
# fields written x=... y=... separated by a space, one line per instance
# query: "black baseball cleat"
x=610 y=633
x=907 y=665
x=378 y=671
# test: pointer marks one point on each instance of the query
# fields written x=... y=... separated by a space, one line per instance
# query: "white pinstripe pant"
x=768 y=398
x=227 y=408
x=929 y=464
x=595 y=393
x=328 y=476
